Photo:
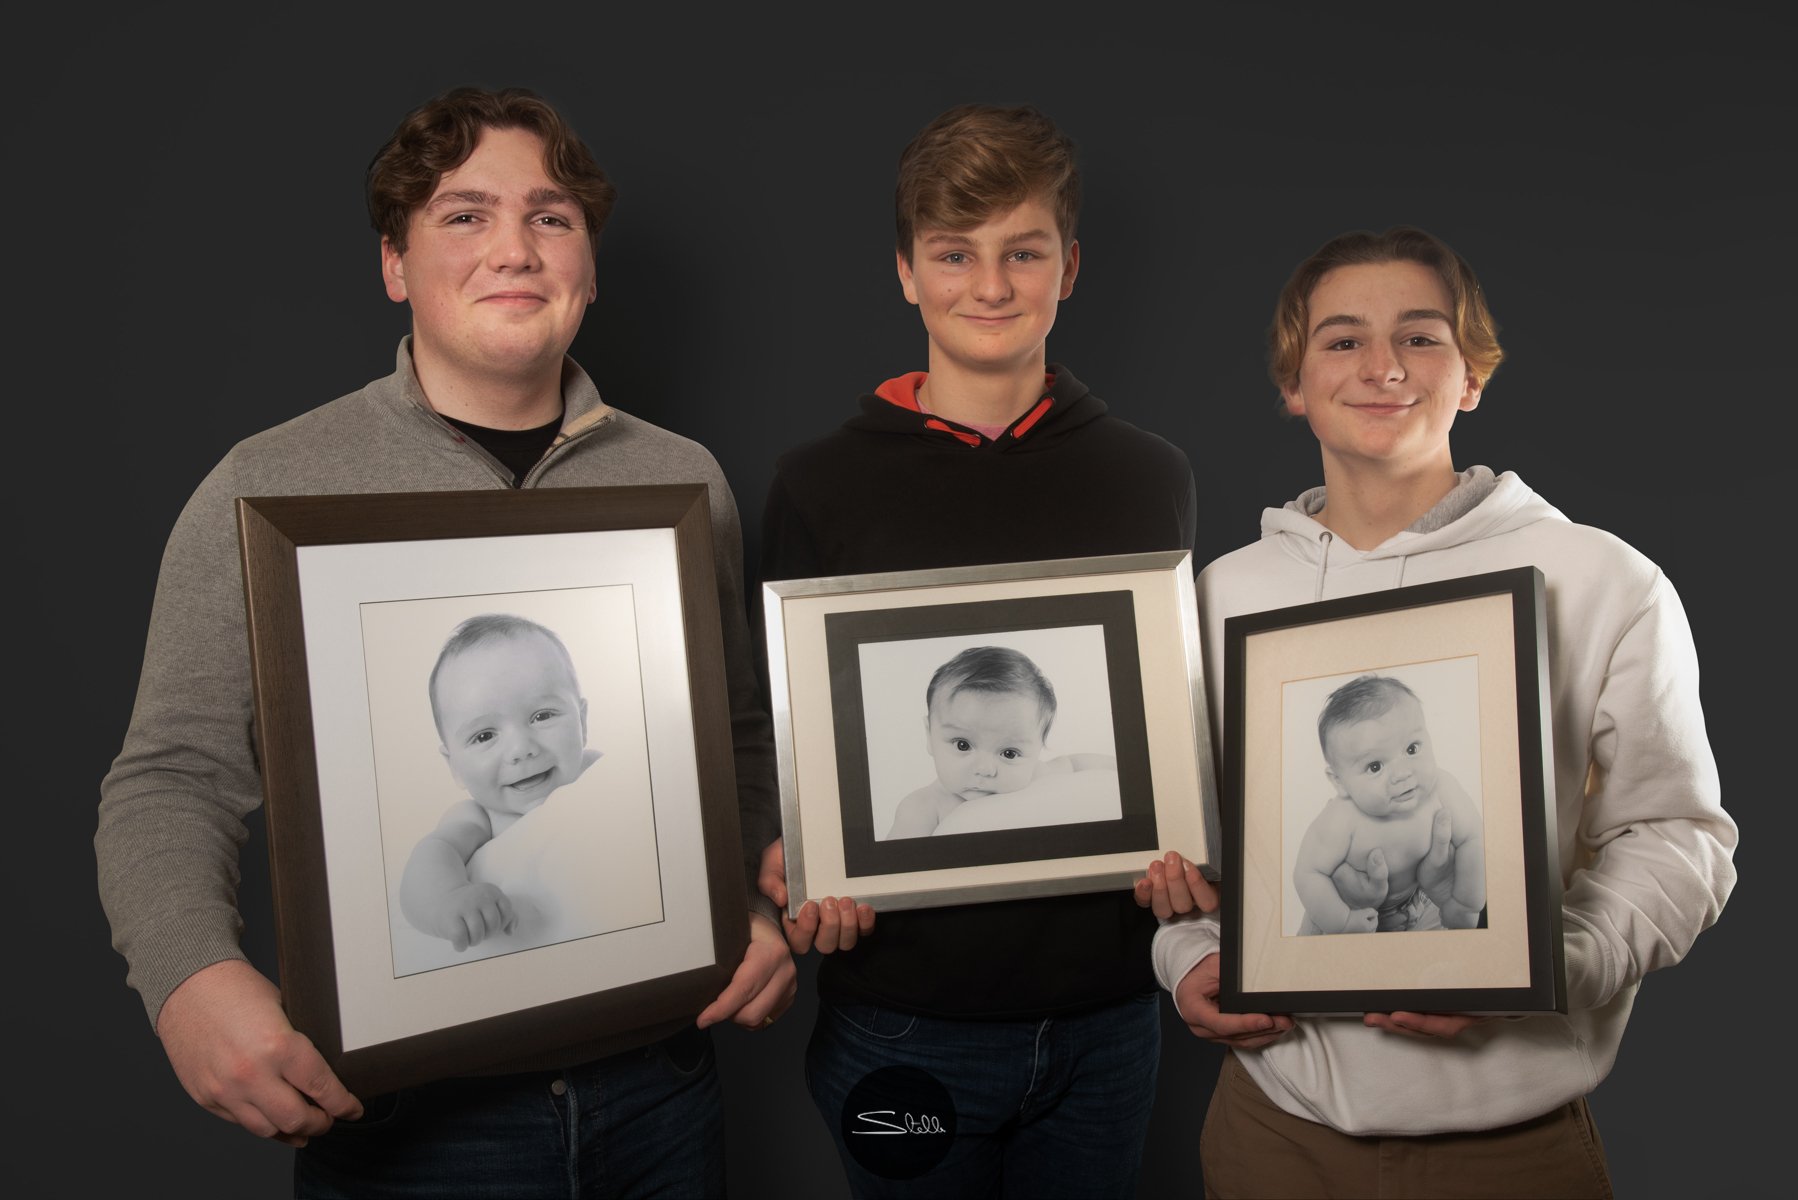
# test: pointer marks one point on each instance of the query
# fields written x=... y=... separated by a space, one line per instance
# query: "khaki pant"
x=1253 y=1148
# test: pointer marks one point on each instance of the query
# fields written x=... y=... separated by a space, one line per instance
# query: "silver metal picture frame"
x=972 y=734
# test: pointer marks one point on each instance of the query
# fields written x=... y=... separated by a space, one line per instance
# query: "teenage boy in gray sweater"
x=489 y=209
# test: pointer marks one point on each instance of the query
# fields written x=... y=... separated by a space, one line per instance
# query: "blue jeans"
x=1040 y=1109
x=648 y=1122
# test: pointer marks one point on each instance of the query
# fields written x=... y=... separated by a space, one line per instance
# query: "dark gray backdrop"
x=192 y=264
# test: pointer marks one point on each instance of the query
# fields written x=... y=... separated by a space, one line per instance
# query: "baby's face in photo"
x=1384 y=765
x=513 y=723
x=985 y=743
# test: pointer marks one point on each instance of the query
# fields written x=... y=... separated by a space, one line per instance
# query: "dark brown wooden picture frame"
x=1492 y=629
x=273 y=532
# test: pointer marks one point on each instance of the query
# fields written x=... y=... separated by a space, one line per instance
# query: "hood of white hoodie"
x=1509 y=505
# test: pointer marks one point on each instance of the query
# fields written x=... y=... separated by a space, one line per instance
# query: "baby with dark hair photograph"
x=1398 y=846
x=513 y=728
x=987 y=714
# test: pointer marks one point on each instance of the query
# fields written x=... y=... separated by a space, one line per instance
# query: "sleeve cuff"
x=1591 y=976
x=1180 y=946
x=759 y=903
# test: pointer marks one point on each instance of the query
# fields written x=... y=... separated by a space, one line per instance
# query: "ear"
x=1295 y=398
x=907 y=284
x=1470 y=393
x=1336 y=784
x=1070 y=267
x=583 y=720
x=393 y=272
x=451 y=764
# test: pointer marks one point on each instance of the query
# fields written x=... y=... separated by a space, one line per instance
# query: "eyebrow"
x=467 y=197
x=534 y=198
x=547 y=195
x=1409 y=315
x=950 y=238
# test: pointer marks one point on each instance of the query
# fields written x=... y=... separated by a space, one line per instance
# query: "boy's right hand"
x=1173 y=887
x=232 y=1048
x=1195 y=999
x=473 y=912
x=827 y=927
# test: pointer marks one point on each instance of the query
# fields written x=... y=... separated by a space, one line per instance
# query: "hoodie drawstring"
x=1323 y=564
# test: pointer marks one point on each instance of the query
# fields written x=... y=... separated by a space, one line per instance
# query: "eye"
x=545 y=714
x=1375 y=767
x=1011 y=753
x=1421 y=339
x=963 y=744
x=553 y=221
x=461 y=219
x=1343 y=344
x=1024 y=256
x=955 y=258
x=481 y=738
x=1413 y=748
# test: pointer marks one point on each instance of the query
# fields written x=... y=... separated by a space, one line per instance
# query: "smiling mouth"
x=530 y=781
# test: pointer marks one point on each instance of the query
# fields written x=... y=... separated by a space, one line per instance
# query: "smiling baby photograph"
x=515 y=802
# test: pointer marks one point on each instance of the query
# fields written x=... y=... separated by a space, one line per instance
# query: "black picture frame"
x=1473 y=651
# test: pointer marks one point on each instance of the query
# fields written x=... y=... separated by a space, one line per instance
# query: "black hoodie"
x=898 y=489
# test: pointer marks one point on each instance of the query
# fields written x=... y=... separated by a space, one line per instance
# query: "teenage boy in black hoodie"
x=1038 y=1015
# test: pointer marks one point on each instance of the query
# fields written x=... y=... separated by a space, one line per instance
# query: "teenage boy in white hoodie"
x=1378 y=342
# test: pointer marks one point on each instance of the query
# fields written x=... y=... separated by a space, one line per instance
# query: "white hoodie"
x=1644 y=842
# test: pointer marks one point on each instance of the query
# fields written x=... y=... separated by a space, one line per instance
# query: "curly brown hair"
x=439 y=135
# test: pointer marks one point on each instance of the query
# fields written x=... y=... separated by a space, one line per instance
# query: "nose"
x=986 y=765
x=991 y=284
x=1380 y=364
x=512 y=247
x=520 y=745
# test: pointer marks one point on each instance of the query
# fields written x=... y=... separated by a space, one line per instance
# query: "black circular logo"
x=898 y=1122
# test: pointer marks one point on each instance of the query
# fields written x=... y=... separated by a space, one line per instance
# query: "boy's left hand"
x=835 y=924
x=1423 y=1025
x=764 y=984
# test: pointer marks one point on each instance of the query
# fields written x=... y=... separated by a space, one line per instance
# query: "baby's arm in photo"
x=1323 y=849
x=435 y=893
x=1462 y=902
x=919 y=812
x=1052 y=798
x=1067 y=764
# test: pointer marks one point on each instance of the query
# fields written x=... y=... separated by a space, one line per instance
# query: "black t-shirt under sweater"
x=518 y=450
x=888 y=492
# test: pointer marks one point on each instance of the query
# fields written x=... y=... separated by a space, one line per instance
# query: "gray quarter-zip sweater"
x=172 y=808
